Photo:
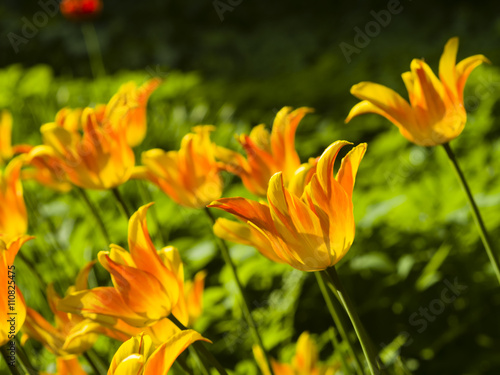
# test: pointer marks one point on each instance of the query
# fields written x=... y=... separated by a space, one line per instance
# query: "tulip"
x=139 y=356
x=266 y=153
x=148 y=285
x=12 y=305
x=305 y=361
x=79 y=10
x=189 y=176
x=435 y=114
x=310 y=232
x=13 y=216
x=134 y=119
x=100 y=159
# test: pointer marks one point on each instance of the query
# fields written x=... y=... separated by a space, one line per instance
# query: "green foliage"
x=414 y=234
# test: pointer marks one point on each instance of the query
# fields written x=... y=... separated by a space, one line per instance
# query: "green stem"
x=475 y=211
x=95 y=213
x=197 y=360
x=93 y=49
x=356 y=322
x=121 y=203
x=244 y=305
x=5 y=355
x=200 y=348
x=333 y=309
x=91 y=363
x=24 y=359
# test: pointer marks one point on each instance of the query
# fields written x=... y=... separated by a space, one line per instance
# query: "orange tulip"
x=134 y=120
x=13 y=216
x=189 y=176
x=305 y=361
x=80 y=10
x=12 y=305
x=310 y=232
x=139 y=356
x=266 y=153
x=100 y=159
x=436 y=112
x=148 y=285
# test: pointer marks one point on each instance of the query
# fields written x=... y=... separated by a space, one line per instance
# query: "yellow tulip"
x=148 y=285
x=13 y=216
x=98 y=159
x=139 y=356
x=435 y=114
x=136 y=99
x=189 y=176
x=305 y=361
x=266 y=153
x=12 y=305
x=310 y=232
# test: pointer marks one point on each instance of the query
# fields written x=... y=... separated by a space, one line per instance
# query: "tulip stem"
x=23 y=359
x=93 y=49
x=244 y=305
x=332 y=308
x=121 y=202
x=200 y=348
x=95 y=213
x=475 y=210
x=5 y=355
x=339 y=290
x=91 y=363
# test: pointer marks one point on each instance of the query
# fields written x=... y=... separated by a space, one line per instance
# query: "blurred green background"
x=415 y=234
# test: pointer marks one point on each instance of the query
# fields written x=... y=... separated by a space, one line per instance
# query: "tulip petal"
x=102 y=304
x=447 y=64
x=464 y=69
x=141 y=291
x=5 y=136
x=346 y=175
x=162 y=359
x=395 y=108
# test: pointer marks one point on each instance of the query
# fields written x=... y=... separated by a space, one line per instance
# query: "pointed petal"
x=5 y=136
x=162 y=359
x=465 y=68
x=346 y=175
x=447 y=67
x=395 y=108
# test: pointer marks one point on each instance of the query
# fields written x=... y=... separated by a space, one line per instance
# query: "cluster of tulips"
x=304 y=218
